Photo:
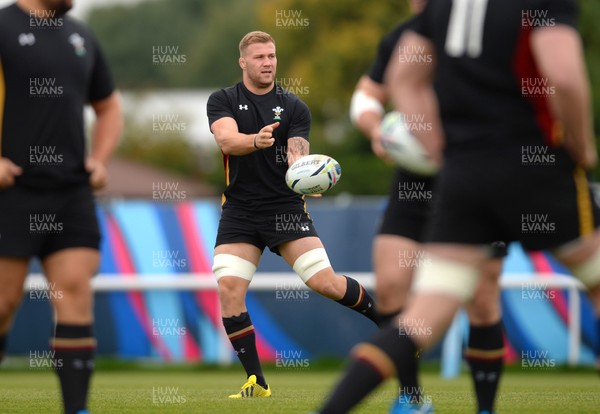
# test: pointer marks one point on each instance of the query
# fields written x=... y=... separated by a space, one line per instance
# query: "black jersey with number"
x=386 y=49
x=50 y=67
x=488 y=86
x=256 y=181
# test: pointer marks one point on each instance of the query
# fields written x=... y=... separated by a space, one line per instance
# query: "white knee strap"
x=311 y=262
x=588 y=271
x=447 y=277
x=230 y=265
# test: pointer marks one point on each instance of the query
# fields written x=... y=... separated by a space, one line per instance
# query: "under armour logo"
x=305 y=228
x=244 y=107
x=26 y=39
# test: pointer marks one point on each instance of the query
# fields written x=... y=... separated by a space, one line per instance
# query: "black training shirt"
x=256 y=181
x=488 y=84
x=50 y=67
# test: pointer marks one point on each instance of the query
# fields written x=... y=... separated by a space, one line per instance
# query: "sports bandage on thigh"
x=362 y=102
x=230 y=265
x=311 y=262
x=588 y=272
x=447 y=277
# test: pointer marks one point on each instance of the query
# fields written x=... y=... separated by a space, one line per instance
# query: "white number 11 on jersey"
x=465 y=29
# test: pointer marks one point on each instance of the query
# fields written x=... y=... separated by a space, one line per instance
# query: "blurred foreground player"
x=262 y=129
x=487 y=57
x=402 y=232
x=50 y=67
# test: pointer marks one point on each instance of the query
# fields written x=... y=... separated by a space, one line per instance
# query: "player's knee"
x=326 y=286
x=231 y=265
x=311 y=263
x=392 y=282
x=483 y=311
x=75 y=285
x=447 y=277
x=232 y=288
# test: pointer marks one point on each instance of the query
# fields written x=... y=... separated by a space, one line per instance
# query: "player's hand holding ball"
x=8 y=171
x=404 y=148
x=264 y=138
x=377 y=146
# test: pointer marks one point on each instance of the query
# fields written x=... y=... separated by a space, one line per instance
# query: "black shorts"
x=38 y=222
x=262 y=231
x=408 y=206
x=499 y=194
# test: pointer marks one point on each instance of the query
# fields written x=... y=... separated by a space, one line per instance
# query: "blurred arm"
x=106 y=135
x=559 y=55
x=108 y=127
x=412 y=93
x=367 y=109
x=367 y=119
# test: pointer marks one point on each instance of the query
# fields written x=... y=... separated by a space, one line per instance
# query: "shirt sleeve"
x=421 y=23
x=558 y=12
x=386 y=51
x=300 y=123
x=101 y=83
x=377 y=71
x=218 y=107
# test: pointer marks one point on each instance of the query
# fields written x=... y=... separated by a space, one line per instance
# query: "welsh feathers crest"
x=277 y=110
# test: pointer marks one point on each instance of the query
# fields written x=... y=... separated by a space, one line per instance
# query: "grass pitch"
x=205 y=391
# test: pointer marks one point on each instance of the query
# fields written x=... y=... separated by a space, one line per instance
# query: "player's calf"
x=8 y=307
x=358 y=299
x=12 y=273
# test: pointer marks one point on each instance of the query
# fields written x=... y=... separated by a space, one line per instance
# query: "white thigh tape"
x=447 y=277
x=311 y=262
x=230 y=265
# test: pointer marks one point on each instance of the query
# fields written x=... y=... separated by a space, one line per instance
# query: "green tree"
x=206 y=32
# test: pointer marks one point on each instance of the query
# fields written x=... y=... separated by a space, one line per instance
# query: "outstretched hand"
x=264 y=138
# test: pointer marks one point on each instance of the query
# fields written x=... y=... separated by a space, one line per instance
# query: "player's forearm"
x=368 y=122
x=559 y=55
x=573 y=106
x=366 y=106
x=297 y=148
x=107 y=130
x=418 y=101
x=236 y=143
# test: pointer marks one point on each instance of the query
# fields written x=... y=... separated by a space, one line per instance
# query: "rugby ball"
x=313 y=174
x=403 y=147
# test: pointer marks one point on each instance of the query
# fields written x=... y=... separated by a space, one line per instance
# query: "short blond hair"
x=254 y=37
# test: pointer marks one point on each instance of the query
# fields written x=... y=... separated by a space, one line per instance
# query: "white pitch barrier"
x=268 y=281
